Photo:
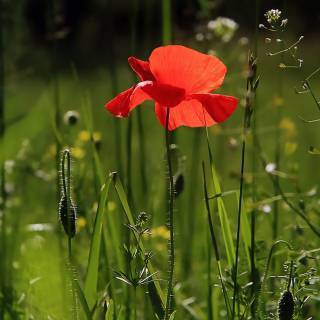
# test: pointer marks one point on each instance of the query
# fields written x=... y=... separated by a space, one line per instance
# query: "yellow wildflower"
x=161 y=231
x=277 y=101
x=81 y=223
x=84 y=136
x=288 y=126
x=111 y=205
x=78 y=152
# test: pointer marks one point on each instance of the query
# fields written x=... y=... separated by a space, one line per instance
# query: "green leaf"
x=91 y=282
x=245 y=229
x=82 y=299
x=173 y=315
x=110 y=311
x=223 y=215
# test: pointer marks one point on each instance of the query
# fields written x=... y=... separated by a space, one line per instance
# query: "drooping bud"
x=286 y=306
x=67 y=209
x=71 y=117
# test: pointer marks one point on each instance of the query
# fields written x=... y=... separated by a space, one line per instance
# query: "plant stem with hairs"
x=252 y=83
x=168 y=308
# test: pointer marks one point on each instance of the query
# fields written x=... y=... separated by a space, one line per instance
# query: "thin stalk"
x=307 y=82
x=66 y=184
x=166 y=22
x=235 y=276
x=168 y=308
x=210 y=311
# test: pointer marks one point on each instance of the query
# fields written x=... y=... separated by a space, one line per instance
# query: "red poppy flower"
x=181 y=79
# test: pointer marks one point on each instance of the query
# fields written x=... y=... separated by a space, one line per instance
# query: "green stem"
x=170 y=224
x=313 y=94
x=235 y=275
x=166 y=22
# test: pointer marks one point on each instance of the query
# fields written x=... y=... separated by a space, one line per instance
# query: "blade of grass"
x=82 y=299
x=91 y=281
x=214 y=241
x=245 y=230
x=223 y=216
x=110 y=311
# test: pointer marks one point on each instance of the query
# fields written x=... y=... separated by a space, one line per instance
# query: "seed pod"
x=286 y=306
x=71 y=117
x=67 y=210
x=67 y=215
x=178 y=184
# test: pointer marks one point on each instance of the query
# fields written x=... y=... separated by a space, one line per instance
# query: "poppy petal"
x=163 y=94
x=127 y=100
x=141 y=68
x=218 y=106
x=188 y=113
x=186 y=68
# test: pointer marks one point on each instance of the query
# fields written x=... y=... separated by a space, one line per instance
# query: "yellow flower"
x=84 y=136
x=111 y=205
x=52 y=150
x=95 y=207
x=277 y=101
x=81 y=223
x=96 y=136
x=78 y=152
x=290 y=148
x=161 y=231
x=288 y=126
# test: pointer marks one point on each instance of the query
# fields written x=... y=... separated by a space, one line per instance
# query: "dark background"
x=88 y=32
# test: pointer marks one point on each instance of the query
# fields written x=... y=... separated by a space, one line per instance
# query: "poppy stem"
x=170 y=224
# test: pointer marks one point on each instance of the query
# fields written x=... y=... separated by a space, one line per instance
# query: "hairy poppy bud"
x=71 y=117
x=67 y=210
x=286 y=306
x=67 y=215
x=178 y=184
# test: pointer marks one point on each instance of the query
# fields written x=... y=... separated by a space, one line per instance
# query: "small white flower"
x=199 y=36
x=273 y=15
x=9 y=166
x=270 y=167
x=266 y=208
x=223 y=28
